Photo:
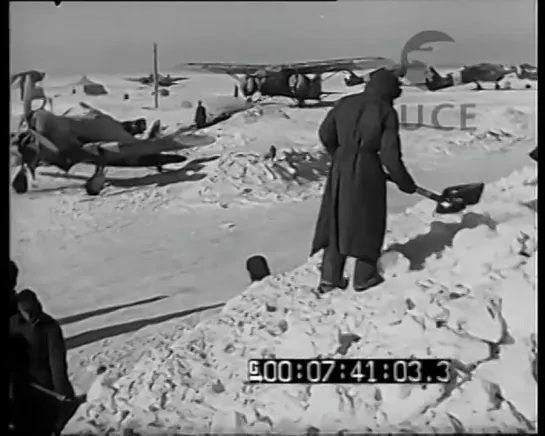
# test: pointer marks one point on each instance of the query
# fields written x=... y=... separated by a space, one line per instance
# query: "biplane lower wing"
x=310 y=67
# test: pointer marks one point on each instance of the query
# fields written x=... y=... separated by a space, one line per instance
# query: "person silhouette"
x=200 y=115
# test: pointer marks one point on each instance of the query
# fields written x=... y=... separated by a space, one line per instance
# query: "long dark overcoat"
x=362 y=135
x=46 y=352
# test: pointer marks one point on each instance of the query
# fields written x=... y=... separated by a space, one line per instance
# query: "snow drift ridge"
x=458 y=287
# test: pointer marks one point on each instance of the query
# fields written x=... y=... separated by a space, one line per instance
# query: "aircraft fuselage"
x=284 y=83
x=484 y=73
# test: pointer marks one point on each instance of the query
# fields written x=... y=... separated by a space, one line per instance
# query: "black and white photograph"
x=273 y=217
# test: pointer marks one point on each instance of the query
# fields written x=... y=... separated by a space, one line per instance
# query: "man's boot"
x=366 y=276
x=332 y=271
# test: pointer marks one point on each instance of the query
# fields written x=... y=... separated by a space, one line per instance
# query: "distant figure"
x=73 y=90
x=200 y=115
x=257 y=268
x=271 y=155
x=528 y=86
x=236 y=91
x=126 y=96
x=46 y=347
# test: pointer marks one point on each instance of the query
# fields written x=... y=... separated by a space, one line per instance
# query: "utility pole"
x=155 y=76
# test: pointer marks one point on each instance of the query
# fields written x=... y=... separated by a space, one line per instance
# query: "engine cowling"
x=250 y=85
x=299 y=85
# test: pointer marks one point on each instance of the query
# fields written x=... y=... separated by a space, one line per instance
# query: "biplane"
x=483 y=72
x=97 y=139
x=299 y=81
x=164 y=81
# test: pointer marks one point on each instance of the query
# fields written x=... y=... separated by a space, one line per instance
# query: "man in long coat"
x=47 y=350
x=200 y=115
x=45 y=363
x=361 y=133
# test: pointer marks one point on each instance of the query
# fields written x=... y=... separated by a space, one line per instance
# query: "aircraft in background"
x=526 y=72
x=100 y=140
x=483 y=72
x=289 y=80
x=165 y=81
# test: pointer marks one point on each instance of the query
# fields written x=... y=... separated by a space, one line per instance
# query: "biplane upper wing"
x=335 y=65
x=310 y=67
x=224 y=67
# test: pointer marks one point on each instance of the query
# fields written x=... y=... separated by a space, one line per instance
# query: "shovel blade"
x=468 y=194
x=449 y=207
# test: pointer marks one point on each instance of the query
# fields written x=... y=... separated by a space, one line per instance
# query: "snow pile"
x=459 y=287
x=247 y=177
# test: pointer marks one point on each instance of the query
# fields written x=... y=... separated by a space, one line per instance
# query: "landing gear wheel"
x=478 y=87
x=96 y=182
x=20 y=181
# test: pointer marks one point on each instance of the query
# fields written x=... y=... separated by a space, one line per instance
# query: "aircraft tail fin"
x=435 y=82
x=433 y=74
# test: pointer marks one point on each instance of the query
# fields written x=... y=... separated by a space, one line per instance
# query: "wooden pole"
x=155 y=76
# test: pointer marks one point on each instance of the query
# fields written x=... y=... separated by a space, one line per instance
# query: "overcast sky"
x=110 y=37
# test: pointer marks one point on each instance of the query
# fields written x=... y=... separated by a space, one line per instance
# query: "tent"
x=90 y=87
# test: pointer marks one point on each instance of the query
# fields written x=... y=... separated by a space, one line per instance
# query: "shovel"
x=453 y=199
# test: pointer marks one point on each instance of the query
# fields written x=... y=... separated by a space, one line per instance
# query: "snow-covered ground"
x=131 y=272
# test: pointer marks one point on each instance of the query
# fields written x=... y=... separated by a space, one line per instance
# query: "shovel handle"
x=421 y=191
x=428 y=194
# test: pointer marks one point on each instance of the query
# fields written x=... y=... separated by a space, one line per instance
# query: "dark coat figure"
x=12 y=299
x=361 y=133
x=200 y=115
x=271 y=155
x=46 y=347
x=257 y=268
x=17 y=350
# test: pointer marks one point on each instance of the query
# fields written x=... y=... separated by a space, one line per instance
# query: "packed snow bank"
x=460 y=287
x=241 y=176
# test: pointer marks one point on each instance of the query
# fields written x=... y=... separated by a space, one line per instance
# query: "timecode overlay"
x=353 y=371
